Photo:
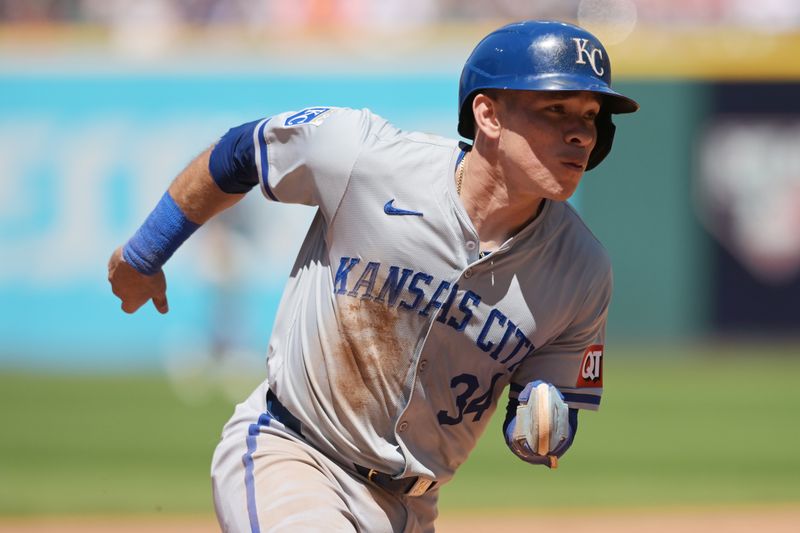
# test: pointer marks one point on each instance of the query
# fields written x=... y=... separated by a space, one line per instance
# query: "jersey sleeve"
x=573 y=361
x=306 y=157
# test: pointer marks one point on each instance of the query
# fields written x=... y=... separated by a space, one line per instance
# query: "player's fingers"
x=160 y=302
x=130 y=306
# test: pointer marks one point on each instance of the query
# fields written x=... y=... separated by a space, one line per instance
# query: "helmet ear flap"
x=466 y=121
x=605 y=138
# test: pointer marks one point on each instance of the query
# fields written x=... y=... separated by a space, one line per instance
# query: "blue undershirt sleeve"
x=232 y=163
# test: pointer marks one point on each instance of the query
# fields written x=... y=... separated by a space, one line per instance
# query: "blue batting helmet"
x=543 y=56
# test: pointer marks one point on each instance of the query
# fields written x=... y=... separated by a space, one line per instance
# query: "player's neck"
x=496 y=212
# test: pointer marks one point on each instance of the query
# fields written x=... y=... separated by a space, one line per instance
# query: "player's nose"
x=580 y=133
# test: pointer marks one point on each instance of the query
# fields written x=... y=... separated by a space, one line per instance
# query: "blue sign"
x=84 y=158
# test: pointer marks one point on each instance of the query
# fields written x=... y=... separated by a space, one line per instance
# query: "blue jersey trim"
x=249 y=480
x=262 y=147
x=460 y=157
x=581 y=398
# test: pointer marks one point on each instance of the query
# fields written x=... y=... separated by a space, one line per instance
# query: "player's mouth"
x=573 y=165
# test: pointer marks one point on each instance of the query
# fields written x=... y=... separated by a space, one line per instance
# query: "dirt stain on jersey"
x=373 y=357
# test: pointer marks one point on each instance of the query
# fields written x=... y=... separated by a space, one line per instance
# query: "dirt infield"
x=771 y=519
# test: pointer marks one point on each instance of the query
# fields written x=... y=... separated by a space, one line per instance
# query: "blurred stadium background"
x=103 y=102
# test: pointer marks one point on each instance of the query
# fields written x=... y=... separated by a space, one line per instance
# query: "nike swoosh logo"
x=390 y=209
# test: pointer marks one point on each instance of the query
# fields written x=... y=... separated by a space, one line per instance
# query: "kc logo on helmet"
x=591 y=55
x=591 y=371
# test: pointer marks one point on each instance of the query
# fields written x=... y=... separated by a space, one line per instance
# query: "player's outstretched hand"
x=135 y=288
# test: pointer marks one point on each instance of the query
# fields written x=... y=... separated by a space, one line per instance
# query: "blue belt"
x=282 y=414
x=410 y=486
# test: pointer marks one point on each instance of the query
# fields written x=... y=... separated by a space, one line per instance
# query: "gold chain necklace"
x=460 y=176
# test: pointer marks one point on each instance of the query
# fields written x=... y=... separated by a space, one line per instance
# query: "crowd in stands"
x=772 y=14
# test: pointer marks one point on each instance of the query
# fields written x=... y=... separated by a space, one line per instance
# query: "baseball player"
x=434 y=275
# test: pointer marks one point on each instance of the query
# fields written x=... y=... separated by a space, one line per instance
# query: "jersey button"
x=422 y=365
x=471 y=245
x=402 y=427
x=468 y=273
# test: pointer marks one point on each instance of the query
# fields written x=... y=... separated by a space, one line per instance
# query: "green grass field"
x=677 y=427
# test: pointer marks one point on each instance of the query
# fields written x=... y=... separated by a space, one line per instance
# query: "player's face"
x=545 y=140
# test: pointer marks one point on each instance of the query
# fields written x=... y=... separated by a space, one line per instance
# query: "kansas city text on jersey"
x=499 y=336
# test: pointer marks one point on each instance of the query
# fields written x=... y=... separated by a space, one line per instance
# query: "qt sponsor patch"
x=591 y=371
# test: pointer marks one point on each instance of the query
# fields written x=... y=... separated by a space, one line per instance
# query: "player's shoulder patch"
x=591 y=370
x=309 y=115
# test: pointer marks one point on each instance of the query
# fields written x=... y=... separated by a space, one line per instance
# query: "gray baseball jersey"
x=395 y=337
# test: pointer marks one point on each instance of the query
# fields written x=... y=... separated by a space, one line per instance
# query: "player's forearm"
x=197 y=194
x=192 y=199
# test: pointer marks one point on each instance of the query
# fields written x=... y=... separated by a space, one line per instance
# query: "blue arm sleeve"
x=232 y=163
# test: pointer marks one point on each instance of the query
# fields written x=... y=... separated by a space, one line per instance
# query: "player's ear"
x=486 y=109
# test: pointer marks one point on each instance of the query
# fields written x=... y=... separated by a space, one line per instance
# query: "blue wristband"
x=157 y=239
